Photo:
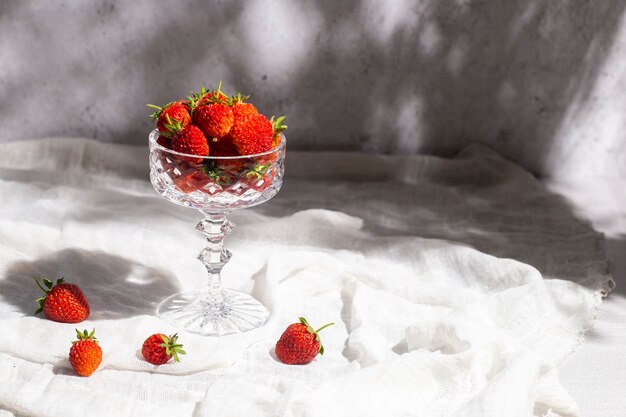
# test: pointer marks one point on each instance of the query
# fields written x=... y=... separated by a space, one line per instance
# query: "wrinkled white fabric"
x=397 y=251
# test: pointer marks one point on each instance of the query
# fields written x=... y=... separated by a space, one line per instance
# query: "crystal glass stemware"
x=215 y=186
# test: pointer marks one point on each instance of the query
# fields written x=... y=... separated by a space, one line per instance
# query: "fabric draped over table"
x=456 y=285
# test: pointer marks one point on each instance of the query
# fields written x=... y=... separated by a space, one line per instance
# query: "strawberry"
x=158 y=349
x=215 y=119
x=85 y=353
x=171 y=117
x=242 y=112
x=254 y=135
x=224 y=147
x=241 y=109
x=299 y=343
x=190 y=182
x=63 y=302
x=191 y=140
x=278 y=127
x=164 y=141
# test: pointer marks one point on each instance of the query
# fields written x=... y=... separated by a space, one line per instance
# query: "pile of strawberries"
x=209 y=123
x=65 y=302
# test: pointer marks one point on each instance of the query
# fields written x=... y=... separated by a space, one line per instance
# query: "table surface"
x=593 y=374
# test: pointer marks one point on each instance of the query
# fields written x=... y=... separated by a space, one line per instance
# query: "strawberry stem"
x=323 y=327
x=39 y=285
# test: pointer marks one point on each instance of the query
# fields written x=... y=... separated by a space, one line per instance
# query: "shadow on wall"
x=390 y=77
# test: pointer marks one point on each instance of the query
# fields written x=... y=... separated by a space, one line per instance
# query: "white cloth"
x=424 y=327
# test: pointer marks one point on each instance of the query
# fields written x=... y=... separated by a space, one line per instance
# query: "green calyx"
x=46 y=288
x=315 y=332
x=194 y=98
x=215 y=173
x=238 y=99
x=258 y=170
x=192 y=101
x=85 y=335
x=278 y=125
x=172 y=348
x=211 y=96
x=172 y=126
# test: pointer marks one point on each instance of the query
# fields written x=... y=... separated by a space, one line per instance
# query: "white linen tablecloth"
x=456 y=286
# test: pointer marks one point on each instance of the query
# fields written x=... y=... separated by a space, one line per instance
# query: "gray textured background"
x=543 y=82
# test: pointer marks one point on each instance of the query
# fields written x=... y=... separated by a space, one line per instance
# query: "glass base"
x=189 y=311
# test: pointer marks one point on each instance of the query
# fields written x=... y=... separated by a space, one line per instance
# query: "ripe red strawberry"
x=215 y=119
x=254 y=135
x=299 y=343
x=191 y=140
x=224 y=147
x=85 y=353
x=171 y=117
x=158 y=349
x=241 y=109
x=242 y=112
x=63 y=302
x=190 y=182
x=279 y=127
x=164 y=141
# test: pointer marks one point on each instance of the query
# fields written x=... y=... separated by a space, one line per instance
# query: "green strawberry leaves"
x=278 y=125
x=172 y=348
x=239 y=98
x=258 y=170
x=215 y=173
x=216 y=96
x=173 y=126
x=85 y=335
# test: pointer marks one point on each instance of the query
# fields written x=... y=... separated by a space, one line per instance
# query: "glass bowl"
x=215 y=186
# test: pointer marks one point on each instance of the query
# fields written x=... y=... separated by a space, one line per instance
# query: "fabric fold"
x=456 y=286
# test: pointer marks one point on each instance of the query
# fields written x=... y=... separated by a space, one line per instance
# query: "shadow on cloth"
x=115 y=287
x=616 y=249
x=476 y=198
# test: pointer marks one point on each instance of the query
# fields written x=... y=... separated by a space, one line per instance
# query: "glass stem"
x=215 y=227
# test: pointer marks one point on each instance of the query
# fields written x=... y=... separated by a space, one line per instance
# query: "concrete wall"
x=541 y=81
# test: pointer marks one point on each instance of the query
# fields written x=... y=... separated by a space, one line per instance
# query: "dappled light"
x=388 y=77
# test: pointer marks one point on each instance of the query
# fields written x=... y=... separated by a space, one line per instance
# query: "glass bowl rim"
x=152 y=137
